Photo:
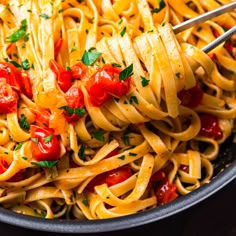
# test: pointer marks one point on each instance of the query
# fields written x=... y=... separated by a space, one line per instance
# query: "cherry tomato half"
x=25 y=84
x=165 y=191
x=8 y=98
x=75 y=99
x=210 y=127
x=111 y=177
x=191 y=97
x=78 y=70
x=9 y=72
x=106 y=83
x=45 y=145
x=57 y=47
x=4 y=166
x=63 y=75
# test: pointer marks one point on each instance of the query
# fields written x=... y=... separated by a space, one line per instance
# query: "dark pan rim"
x=126 y=222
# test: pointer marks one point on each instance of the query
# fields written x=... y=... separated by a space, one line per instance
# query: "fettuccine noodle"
x=142 y=146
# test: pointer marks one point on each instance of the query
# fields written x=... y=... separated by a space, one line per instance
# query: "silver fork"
x=204 y=17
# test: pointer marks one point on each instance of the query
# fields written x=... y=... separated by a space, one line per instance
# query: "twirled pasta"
x=149 y=129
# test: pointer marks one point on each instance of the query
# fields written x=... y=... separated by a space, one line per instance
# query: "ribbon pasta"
x=150 y=127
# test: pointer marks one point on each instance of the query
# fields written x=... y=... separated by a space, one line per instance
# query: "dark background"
x=214 y=216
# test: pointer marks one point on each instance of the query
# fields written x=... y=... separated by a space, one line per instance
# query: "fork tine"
x=219 y=40
x=203 y=17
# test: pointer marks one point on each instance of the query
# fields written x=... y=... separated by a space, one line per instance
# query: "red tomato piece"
x=210 y=127
x=57 y=47
x=25 y=84
x=42 y=117
x=63 y=75
x=8 y=98
x=113 y=153
x=75 y=99
x=97 y=180
x=4 y=166
x=106 y=83
x=166 y=193
x=118 y=175
x=159 y=177
x=78 y=70
x=191 y=97
x=45 y=145
x=9 y=72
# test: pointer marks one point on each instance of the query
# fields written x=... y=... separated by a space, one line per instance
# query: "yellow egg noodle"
x=151 y=128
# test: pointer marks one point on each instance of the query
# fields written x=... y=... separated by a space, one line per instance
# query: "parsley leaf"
x=81 y=152
x=18 y=147
x=45 y=16
x=162 y=4
x=26 y=64
x=98 y=135
x=126 y=73
x=89 y=57
x=122 y=33
x=47 y=164
x=71 y=111
x=144 y=81
x=23 y=122
x=19 y=33
x=48 y=138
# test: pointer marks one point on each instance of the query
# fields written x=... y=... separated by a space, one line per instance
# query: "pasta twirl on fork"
x=104 y=111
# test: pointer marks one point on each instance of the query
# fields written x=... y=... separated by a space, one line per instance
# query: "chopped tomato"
x=26 y=87
x=8 y=98
x=111 y=177
x=118 y=175
x=165 y=191
x=4 y=166
x=106 y=83
x=9 y=72
x=210 y=127
x=75 y=99
x=42 y=117
x=113 y=153
x=63 y=75
x=45 y=145
x=78 y=70
x=97 y=180
x=191 y=97
x=57 y=47
x=212 y=56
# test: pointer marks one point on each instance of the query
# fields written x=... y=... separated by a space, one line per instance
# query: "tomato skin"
x=106 y=83
x=9 y=72
x=75 y=99
x=191 y=97
x=4 y=166
x=57 y=47
x=118 y=175
x=8 y=98
x=210 y=127
x=165 y=191
x=78 y=70
x=111 y=177
x=26 y=87
x=44 y=151
x=63 y=76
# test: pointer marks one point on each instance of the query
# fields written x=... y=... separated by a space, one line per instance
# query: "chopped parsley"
x=23 y=122
x=162 y=4
x=18 y=147
x=71 y=111
x=123 y=31
x=126 y=73
x=19 y=33
x=26 y=64
x=48 y=138
x=121 y=157
x=85 y=202
x=45 y=16
x=98 y=135
x=89 y=57
x=144 y=81
x=133 y=99
x=47 y=164
x=81 y=152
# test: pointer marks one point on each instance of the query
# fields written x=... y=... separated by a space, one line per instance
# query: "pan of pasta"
x=108 y=119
